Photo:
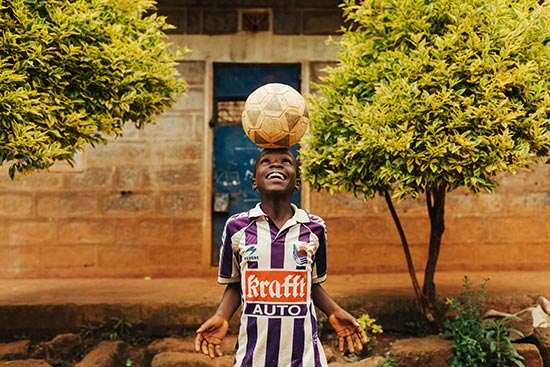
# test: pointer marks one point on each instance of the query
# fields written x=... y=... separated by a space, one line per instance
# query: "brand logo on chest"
x=276 y=286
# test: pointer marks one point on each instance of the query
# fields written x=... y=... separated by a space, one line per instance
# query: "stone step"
x=429 y=351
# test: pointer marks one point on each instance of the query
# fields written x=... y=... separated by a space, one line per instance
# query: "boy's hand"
x=348 y=330
x=210 y=336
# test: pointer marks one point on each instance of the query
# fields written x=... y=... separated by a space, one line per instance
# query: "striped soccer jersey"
x=276 y=269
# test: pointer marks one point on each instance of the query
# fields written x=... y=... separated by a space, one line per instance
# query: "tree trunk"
x=436 y=210
x=420 y=299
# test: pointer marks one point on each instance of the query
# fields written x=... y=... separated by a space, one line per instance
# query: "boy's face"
x=276 y=170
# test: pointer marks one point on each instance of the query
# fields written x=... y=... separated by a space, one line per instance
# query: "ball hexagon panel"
x=275 y=116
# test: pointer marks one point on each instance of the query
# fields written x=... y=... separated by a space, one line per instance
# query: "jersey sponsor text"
x=276 y=286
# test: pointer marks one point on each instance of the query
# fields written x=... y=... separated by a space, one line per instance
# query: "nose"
x=276 y=163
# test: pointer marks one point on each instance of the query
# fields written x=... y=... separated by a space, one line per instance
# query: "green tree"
x=429 y=96
x=73 y=72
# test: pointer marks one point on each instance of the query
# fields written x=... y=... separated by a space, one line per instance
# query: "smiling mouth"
x=276 y=176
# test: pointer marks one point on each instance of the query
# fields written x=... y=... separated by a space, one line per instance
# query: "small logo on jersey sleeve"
x=249 y=253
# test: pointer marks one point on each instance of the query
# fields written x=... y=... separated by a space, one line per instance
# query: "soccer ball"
x=275 y=116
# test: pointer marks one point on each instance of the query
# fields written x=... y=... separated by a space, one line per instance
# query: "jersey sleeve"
x=319 y=269
x=228 y=270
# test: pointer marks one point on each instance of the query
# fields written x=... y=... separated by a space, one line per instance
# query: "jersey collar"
x=300 y=215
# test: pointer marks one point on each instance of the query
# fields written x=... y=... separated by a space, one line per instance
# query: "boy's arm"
x=347 y=328
x=211 y=333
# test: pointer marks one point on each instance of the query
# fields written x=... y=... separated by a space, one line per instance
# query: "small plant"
x=90 y=333
x=478 y=342
x=497 y=335
x=321 y=325
x=115 y=329
x=369 y=325
x=466 y=327
x=388 y=361
x=417 y=328
x=118 y=329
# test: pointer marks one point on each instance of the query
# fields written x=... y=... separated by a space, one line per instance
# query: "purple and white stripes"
x=277 y=329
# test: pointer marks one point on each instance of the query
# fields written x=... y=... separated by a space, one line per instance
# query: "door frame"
x=208 y=152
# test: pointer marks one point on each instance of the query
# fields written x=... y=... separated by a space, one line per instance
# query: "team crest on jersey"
x=300 y=254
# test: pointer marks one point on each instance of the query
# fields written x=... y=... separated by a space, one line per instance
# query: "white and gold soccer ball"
x=275 y=116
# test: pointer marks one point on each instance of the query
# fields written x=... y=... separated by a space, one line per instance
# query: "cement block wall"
x=132 y=207
x=140 y=205
x=505 y=231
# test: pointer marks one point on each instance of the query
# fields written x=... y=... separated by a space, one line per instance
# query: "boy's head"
x=276 y=170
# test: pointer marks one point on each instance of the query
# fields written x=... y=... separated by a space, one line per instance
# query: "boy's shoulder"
x=238 y=220
x=314 y=220
x=238 y=217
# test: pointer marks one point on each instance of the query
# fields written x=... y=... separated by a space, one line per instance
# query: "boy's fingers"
x=204 y=347
x=211 y=351
x=341 y=344
x=218 y=349
x=350 y=344
x=198 y=341
x=363 y=335
x=357 y=341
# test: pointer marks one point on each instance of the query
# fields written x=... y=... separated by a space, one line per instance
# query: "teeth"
x=276 y=175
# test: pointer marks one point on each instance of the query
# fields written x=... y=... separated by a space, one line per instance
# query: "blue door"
x=234 y=154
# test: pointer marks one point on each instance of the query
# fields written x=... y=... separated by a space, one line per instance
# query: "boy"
x=273 y=259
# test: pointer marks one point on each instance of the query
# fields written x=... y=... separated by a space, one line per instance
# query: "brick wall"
x=508 y=230
x=140 y=205
x=134 y=208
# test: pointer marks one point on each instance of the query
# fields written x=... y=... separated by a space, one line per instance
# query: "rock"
x=540 y=317
x=224 y=361
x=523 y=323
x=29 y=363
x=182 y=359
x=136 y=356
x=167 y=345
x=105 y=354
x=544 y=303
x=173 y=344
x=65 y=344
x=541 y=338
x=15 y=350
x=62 y=347
x=530 y=353
x=367 y=362
x=527 y=319
x=330 y=354
x=433 y=351
x=429 y=351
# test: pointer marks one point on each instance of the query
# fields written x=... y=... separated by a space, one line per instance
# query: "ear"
x=254 y=184
x=298 y=184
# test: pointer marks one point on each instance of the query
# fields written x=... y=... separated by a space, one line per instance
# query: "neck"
x=278 y=211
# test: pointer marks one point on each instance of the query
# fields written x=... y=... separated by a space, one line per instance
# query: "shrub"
x=478 y=342
x=74 y=72
x=369 y=325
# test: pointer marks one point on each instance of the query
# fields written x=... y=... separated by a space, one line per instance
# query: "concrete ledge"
x=167 y=305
